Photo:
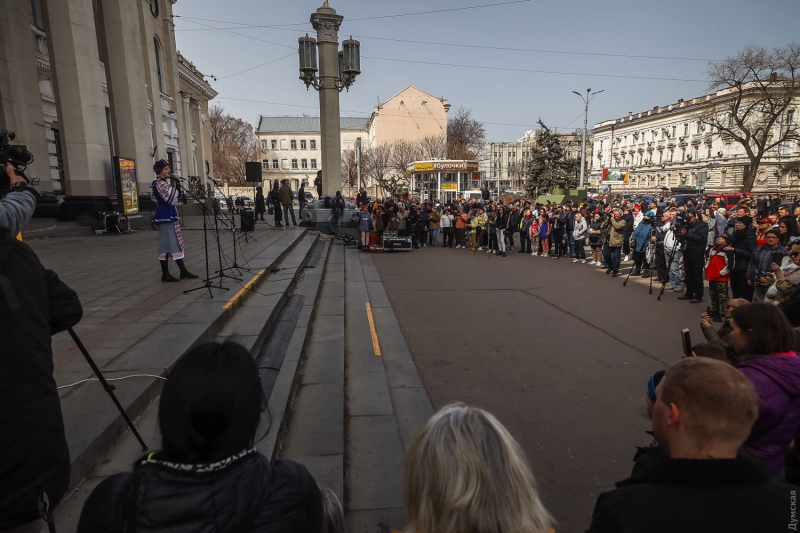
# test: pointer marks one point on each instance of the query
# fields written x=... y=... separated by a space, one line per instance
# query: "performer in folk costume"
x=170 y=240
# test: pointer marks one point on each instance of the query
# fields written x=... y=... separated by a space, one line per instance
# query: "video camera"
x=681 y=221
x=18 y=155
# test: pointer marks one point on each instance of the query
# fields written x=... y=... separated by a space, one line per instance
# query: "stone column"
x=199 y=140
x=78 y=79
x=171 y=54
x=185 y=135
x=327 y=23
x=126 y=86
x=20 y=97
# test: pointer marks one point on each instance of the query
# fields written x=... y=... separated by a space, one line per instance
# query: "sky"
x=516 y=61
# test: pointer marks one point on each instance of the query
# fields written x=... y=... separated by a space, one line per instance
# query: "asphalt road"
x=560 y=352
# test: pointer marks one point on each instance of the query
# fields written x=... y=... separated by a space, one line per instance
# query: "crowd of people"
x=724 y=416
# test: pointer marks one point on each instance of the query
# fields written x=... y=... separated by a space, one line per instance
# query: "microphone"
x=174 y=177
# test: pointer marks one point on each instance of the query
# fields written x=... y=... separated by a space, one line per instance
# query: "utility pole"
x=586 y=100
x=358 y=162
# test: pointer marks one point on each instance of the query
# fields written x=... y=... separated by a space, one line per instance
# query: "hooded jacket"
x=243 y=493
x=744 y=244
x=717 y=267
x=616 y=228
x=777 y=381
x=641 y=237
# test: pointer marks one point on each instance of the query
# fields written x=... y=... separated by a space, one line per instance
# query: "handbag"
x=269 y=209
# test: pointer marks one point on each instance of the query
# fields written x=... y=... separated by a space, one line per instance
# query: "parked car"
x=728 y=201
x=680 y=199
x=309 y=197
x=248 y=203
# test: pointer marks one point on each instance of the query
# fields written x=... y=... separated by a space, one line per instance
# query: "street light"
x=586 y=99
x=337 y=71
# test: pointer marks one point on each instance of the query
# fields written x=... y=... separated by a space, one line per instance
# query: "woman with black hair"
x=764 y=342
x=208 y=476
x=787 y=228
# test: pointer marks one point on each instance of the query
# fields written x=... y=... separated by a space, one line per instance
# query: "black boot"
x=637 y=271
x=185 y=274
x=646 y=273
x=165 y=275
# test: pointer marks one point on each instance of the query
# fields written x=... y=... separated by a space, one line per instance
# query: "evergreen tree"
x=549 y=166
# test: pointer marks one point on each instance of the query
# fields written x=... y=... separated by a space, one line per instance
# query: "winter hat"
x=728 y=238
x=721 y=211
x=746 y=220
x=159 y=165
x=650 y=214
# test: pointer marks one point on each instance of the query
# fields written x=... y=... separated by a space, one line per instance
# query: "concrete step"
x=280 y=304
x=91 y=421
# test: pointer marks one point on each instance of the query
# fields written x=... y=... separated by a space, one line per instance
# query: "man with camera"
x=694 y=237
x=34 y=304
x=614 y=226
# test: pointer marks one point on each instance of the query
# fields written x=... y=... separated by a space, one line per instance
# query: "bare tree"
x=233 y=143
x=466 y=137
x=404 y=153
x=756 y=110
x=381 y=171
x=433 y=146
x=350 y=169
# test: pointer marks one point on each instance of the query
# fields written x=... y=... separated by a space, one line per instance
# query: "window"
x=686 y=129
x=709 y=152
x=313 y=162
x=660 y=157
x=36 y=9
x=159 y=65
x=264 y=145
x=303 y=144
x=304 y=163
x=683 y=154
x=790 y=116
x=674 y=131
x=698 y=127
x=313 y=144
x=275 y=164
x=265 y=164
x=293 y=144
x=274 y=144
x=294 y=163
x=696 y=154
x=671 y=155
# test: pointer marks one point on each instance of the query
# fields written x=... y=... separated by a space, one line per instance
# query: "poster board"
x=127 y=186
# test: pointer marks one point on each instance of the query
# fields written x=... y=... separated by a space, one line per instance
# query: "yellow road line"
x=375 y=346
x=244 y=290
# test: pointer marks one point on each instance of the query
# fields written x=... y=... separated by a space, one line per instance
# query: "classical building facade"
x=289 y=147
x=670 y=147
x=506 y=164
x=83 y=81
x=410 y=115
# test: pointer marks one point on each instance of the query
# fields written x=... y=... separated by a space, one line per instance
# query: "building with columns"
x=83 y=81
x=670 y=147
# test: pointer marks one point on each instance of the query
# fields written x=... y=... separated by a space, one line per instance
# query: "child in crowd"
x=717 y=274
x=544 y=235
x=534 y=230
x=364 y=220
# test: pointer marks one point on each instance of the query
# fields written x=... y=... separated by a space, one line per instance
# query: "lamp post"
x=337 y=71
x=586 y=100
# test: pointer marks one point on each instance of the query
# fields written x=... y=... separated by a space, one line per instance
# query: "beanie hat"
x=650 y=214
x=746 y=220
x=652 y=383
x=159 y=165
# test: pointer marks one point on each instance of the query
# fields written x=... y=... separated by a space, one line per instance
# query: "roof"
x=306 y=124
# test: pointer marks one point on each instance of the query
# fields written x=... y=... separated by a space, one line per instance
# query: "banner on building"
x=449 y=186
x=619 y=175
x=127 y=187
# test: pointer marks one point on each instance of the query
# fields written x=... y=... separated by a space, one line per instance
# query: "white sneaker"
x=494 y=252
x=533 y=253
x=583 y=261
x=627 y=258
x=575 y=260
x=593 y=263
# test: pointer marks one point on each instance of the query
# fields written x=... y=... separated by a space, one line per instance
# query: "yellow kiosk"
x=442 y=179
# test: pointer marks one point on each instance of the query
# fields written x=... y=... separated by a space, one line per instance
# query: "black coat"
x=34 y=304
x=696 y=237
x=241 y=494
x=744 y=244
x=695 y=496
x=260 y=205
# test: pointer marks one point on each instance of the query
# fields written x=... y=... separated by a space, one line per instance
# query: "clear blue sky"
x=509 y=97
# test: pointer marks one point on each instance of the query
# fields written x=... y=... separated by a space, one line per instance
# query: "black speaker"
x=252 y=172
x=248 y=222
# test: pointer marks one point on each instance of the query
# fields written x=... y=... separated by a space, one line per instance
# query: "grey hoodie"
x=16 y=209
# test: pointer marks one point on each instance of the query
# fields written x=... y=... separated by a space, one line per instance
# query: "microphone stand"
x=207 y=284
x=235 y=265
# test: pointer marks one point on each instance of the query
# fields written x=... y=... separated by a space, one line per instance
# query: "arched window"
x=159 y=65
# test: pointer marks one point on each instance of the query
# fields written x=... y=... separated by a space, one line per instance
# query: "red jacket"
x=717 y=266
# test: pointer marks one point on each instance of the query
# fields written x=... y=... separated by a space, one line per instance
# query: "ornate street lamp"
x=337 y=71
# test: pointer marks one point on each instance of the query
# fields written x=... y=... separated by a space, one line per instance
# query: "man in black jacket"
x=703 y=413
x=34 y=304
x=695 y=238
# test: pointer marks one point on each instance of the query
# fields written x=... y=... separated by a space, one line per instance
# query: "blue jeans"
x=674 y=261
x=338 y=219
x=611 y=255
x=571 y=241
x=300 y=211
x=434 y=235
x=286 y=210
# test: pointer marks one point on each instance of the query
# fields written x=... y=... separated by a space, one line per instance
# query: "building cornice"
x=195 y=78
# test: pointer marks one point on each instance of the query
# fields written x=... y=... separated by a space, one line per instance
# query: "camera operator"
x=34 y=304
x=16 y=207
x=694 y=237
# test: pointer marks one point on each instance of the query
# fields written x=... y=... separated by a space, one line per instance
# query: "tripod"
x=649 y=234
x=671 y=255
x=207 y=282
x=235 y=266
x=108 y=388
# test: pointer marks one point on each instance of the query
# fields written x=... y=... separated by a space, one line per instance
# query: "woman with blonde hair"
x=465 y=472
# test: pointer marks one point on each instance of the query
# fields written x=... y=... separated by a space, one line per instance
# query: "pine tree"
x=549 y=165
